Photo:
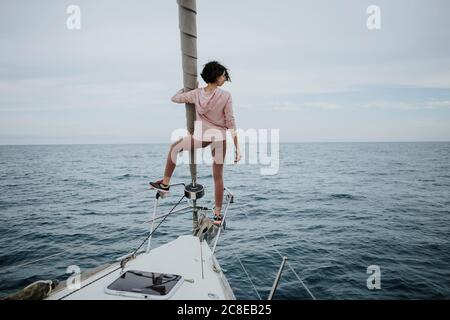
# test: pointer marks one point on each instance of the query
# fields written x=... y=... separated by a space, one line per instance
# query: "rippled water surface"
x=333 y=209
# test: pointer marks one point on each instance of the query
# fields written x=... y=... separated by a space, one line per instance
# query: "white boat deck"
x=181 y=257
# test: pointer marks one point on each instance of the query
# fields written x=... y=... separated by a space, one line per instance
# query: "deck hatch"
x=141 y=284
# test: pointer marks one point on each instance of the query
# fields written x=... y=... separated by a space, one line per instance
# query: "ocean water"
x=333 y=209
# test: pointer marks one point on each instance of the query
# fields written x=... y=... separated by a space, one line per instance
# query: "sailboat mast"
x=187 y=17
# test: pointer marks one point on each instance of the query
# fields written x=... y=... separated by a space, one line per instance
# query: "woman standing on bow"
x=214 y=116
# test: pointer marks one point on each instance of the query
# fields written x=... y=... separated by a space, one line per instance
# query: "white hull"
x=181 y=257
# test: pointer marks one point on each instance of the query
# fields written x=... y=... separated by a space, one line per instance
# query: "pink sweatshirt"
x=214 y=112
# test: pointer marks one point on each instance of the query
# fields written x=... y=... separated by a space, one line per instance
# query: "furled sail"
x=187 y=16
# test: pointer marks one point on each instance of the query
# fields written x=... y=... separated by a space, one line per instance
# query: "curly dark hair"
x=213 y=70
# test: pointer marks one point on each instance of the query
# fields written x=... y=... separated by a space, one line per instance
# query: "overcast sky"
x=309 y=68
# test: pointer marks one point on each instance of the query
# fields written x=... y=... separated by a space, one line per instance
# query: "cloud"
x=47 y=94
x=403 y=105
x=438 y=104
x=295 y=56
x=291 y=106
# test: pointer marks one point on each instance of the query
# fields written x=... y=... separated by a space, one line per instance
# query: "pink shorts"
x=218 y=148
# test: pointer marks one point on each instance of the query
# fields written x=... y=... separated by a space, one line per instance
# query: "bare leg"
x=187 y=143
x=218 y=156
x=170 y=164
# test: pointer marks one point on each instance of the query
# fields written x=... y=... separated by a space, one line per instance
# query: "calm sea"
x=333 y=209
